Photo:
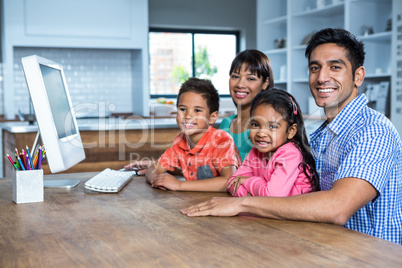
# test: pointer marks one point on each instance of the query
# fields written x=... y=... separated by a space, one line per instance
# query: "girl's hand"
x=166 y=181
x=237 y=182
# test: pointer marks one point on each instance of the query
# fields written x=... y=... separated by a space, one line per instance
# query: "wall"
x=95 y=78
x=207 y=14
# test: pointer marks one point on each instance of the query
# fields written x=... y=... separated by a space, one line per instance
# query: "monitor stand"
x=67 y=184
x=60 y=183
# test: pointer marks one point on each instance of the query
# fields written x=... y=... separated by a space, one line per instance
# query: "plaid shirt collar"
x=345 y=118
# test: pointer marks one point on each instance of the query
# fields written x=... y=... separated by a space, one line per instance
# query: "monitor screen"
x=58 y=101
x=54 y=112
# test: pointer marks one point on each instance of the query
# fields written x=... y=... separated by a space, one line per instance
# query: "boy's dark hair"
x=203 y=87
x=285 y=104
x=343 y=38
x=256 y=62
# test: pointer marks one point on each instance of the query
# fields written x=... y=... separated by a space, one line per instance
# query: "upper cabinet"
x=296 y=20
x=85 y=24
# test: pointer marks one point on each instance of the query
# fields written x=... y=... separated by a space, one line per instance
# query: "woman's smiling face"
x=244 y=86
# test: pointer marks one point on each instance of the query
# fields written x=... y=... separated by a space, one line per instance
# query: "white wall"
x=207 y=14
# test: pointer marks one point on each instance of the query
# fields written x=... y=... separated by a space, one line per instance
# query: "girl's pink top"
x=281 y=176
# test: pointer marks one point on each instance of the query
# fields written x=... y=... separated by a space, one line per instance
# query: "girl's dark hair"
x=285 y=104
x=256 y=62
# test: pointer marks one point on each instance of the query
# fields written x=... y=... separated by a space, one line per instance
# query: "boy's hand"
x=166 y=181
x=237 y=182
x=139 y=166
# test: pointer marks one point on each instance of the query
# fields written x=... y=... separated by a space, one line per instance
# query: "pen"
x=12 y=162
x=29 y=157
x=19 y=160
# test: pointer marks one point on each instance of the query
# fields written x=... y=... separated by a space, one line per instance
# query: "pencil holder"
x=28 y=186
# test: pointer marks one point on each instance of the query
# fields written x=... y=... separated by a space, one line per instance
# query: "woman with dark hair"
x=250 y=73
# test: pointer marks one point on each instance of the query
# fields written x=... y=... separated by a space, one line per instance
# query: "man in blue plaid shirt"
x=357 y=150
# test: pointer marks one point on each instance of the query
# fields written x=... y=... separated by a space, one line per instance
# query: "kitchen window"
x=176 y=55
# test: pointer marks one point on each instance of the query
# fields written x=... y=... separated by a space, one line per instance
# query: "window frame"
x=193 y=32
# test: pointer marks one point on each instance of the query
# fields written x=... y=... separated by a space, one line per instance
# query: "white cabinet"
x=296 y=20
x=272 y=34
x=86 y=24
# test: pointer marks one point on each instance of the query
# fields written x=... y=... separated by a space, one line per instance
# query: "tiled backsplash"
x=94 y=76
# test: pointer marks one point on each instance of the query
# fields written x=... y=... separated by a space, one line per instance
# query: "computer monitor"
x=55 y=116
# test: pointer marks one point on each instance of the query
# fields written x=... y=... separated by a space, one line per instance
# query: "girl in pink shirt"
x=280 y=162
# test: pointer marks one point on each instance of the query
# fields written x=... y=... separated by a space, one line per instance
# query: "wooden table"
x=143 y=227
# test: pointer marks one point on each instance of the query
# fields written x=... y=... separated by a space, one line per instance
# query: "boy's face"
x=193 y=116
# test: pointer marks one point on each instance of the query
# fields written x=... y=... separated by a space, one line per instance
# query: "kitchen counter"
x=108 y=142
x=93 y=124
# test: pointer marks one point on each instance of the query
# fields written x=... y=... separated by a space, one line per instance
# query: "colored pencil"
x=27 y=165
x=22 y=166
x=22 y=158
x=29 y=158
x=12 y=162
x=16 y=160
x=40 y=158
x=35 y=161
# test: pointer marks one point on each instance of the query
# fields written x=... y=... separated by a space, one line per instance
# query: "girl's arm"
x=216 y=184
x=282 y=180
x=245 y=171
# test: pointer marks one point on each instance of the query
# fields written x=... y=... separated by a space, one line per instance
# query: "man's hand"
x=217 y=206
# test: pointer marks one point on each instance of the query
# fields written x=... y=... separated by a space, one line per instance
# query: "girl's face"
x=244 y=86
x=269 y=130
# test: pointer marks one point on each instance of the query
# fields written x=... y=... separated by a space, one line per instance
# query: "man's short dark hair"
x=343 y=38
x=203 y=87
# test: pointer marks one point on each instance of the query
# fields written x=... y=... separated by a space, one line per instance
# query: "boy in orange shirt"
x=206 y=157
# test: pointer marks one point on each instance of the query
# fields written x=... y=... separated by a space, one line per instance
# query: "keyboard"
x=109 y=181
